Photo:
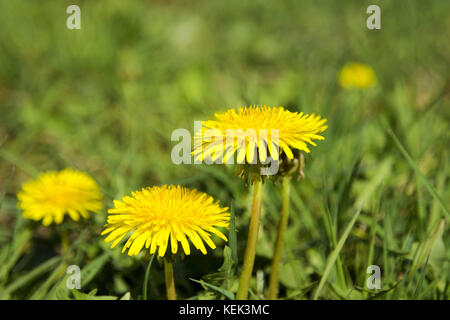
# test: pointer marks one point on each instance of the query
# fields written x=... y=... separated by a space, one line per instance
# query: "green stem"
x=170 y=283
x=65 y=243
x=147 y=274
x=275 y=268
x=250 y=250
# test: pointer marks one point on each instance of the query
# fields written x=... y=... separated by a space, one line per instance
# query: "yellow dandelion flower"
x=252 y=131
x=55 y=194
x=356 y=75
x=156 y=216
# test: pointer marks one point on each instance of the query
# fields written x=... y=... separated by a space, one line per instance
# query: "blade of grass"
x=334 y=255
x=18 y=162
x=36 y=272
x=424 y=250
x=53 y=278
x=6 y=183
x=303 y=212
x=373 y=230
x=147 y=273
x=232 y=237
x=419 y=173
x=224 y=292
x=19 y=244
x=422 y=275
x=386 y=266
x=94 y=267
x=253 y=295
x=331 y=226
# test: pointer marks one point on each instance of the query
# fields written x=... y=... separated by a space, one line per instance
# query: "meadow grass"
x=105 y=100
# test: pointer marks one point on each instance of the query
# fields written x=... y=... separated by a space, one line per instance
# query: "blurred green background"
x=105 y=99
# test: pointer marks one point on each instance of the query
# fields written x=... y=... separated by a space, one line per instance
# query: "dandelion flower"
x=356 y=75
x=156 y=216
x=54 y=194
x=255 y=133
x=252 y=131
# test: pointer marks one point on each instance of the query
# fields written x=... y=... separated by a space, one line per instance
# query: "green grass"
x=105 y=99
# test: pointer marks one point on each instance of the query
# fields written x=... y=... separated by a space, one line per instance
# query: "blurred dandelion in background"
x=355 y=75
x=55 y=194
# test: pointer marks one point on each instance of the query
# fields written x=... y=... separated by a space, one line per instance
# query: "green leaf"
x=59 y=290
x=62 y=294
x=90 y=296
x=126 y=296
x=223 y=292
x=51 y=280
x=36 y=272
x=92 y=268
x=15 y=250
x=224 y=276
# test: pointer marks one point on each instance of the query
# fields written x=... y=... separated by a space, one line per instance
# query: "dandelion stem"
x=250 y=250
x=170 y=283
x=275 y=268
x=65 y=243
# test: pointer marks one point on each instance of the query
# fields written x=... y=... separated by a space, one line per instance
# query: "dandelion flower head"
x=356 y=75
x=275 y=130
x=157 y=216
x=54 y=194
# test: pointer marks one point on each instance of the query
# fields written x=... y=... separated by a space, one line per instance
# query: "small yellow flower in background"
x=295 y=130
x=159 y=215
x=54 y=194
x=356 y=75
